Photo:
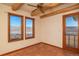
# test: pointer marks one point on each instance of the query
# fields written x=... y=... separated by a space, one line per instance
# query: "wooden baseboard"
x=77 y=51
x=52 y=45
x=28 y=47
x=19 y=49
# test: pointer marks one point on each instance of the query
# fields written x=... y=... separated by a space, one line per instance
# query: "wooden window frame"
x=64 y=27
x=9 y=14
x=33 y=28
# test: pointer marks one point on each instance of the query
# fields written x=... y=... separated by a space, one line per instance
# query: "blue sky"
x=29 y=23
x=71 y=22
x=15 y=22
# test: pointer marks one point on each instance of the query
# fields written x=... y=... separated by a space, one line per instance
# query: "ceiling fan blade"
x=35 y=12
x=40 y=4
x=31 y=5
x=42 y=8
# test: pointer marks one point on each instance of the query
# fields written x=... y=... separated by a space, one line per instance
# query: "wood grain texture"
x=9 y=27
x=16 y=6
x=33 y=28
x=61 y=11
x=44 y=8
x=43 y=49
x=64 y=29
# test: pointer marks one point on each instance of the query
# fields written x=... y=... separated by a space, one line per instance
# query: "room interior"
x=39 y=29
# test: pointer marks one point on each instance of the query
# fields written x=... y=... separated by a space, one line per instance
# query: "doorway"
x=71 y=31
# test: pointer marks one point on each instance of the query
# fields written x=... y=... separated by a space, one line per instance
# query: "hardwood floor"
x=42 y=49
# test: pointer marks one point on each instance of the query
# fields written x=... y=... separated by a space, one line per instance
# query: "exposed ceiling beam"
x=50 y=5
x=44 y=8
x=61 y=11
x=16 y=6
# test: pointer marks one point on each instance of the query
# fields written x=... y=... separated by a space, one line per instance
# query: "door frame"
x=64 y=27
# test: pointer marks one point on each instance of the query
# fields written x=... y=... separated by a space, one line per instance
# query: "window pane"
x=15 y=27
x=29 y=28
x=72 y=32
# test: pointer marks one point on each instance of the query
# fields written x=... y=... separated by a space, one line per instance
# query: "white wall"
x=51 y=29
x=48 y=30
x=4 y=45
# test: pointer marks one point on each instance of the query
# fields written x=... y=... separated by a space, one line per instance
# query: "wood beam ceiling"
x=51 y=5
x=16 y=6
x=61 y=11
x=44 y=8
x=36 y=12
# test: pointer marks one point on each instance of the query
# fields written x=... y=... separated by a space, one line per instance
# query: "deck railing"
x=69 y=38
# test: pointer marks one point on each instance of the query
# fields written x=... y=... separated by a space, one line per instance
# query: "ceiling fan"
x=42 y=7
x=38 y=6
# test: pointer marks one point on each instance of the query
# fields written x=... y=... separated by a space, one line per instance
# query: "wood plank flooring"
x=43 y=50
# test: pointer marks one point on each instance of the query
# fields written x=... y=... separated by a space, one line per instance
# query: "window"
x=29 y=28
x=15 y=27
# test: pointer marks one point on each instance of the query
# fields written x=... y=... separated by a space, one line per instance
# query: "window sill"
x=14 y=40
